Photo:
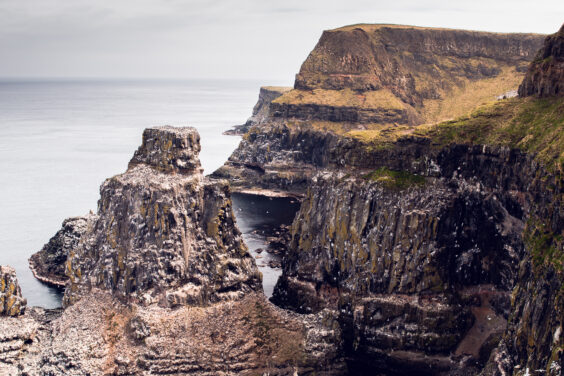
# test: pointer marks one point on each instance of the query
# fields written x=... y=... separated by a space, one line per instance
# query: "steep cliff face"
x=412 y=264
x=163 y=232
x=160 y=282
x=367 y=82
x=475 y=228
x=409 y=66
x=545 y=76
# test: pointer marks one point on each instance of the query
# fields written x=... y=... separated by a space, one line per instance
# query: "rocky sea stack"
x=158 y=281
x=429 y=240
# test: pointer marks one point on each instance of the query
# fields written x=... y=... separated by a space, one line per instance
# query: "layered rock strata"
x=362 y=82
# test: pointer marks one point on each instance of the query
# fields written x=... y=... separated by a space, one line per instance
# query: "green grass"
x=395 y=179
x=532 y=125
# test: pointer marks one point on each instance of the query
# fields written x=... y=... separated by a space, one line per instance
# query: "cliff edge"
x=545 y=76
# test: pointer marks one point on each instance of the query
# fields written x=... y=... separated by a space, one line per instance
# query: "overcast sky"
x=240 y=39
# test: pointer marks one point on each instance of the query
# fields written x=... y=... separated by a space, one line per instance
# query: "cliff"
x=163 y=233
x=366 y=82
x=545 y=76
x=382 y=69
x=160 y=282
x=457 y=222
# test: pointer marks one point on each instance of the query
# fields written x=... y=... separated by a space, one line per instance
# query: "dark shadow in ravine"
x=258 y=218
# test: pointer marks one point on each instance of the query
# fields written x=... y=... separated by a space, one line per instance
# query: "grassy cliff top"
x=343 y=98
x=432 y=74
x=374 y=27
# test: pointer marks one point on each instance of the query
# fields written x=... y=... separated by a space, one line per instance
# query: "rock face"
x=163 y=233
x=370 y=57
x=361 y=82
x=11 y=301
x=161 y=283
x=261 y=110
x=545 y=76
x=48 y=265
x=405 y=260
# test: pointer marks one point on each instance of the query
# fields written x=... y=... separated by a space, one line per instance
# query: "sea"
x=59 y=140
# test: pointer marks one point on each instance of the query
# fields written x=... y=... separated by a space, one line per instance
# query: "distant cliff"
x=261 y=110
x=364 y=82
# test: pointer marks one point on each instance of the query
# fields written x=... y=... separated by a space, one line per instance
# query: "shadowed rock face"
x=163 y=233
x=11 y=301
x=545 y=76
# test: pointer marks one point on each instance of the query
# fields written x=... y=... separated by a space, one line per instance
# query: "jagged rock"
x=11 y=301
x=48 y=265
x=161 y=283
x=545 y=76
x=163 y=233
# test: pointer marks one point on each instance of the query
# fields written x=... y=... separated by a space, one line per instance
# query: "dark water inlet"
x=258 y=216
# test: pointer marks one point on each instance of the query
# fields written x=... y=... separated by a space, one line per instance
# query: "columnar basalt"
x=164 y=233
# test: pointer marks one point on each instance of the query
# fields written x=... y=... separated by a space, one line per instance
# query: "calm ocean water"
x=60 y=140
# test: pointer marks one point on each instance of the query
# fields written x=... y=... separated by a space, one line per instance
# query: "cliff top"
x=169 y=149
x=424 y=75
x=374 y=27
x=278 y=89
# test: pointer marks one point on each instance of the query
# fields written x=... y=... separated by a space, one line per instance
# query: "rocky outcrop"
x=370 y=57
x=400 y=258
x=164 y=233
x=11 y=301
x=545 y=76
x=48 y=265
x=161 y=283
x=362 y=82
x=261 y=110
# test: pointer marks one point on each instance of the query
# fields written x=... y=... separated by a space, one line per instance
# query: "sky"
x=238 y=39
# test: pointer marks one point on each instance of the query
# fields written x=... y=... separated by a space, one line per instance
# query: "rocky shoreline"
x=417 y=250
